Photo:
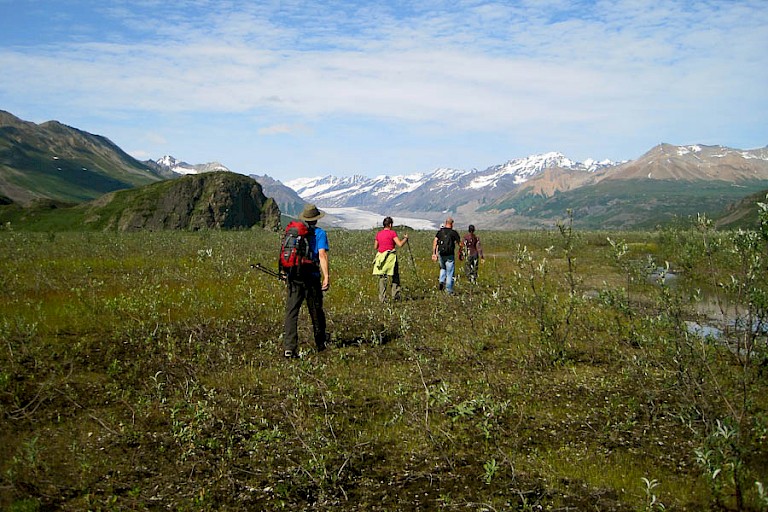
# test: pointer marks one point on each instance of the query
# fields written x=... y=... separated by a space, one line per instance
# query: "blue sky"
x=295 y=88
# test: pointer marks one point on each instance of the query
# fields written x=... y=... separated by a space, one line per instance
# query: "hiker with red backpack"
x=472 y=254
x=385 y=265
x=304 y=263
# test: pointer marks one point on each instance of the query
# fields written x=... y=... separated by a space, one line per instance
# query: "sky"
x=302 y=88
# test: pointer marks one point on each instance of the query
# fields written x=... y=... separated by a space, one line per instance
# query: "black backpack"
x=445 y=242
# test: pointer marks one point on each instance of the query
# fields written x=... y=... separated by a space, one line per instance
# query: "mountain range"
x=441 y=189
x=666 y=183
x=52 y=161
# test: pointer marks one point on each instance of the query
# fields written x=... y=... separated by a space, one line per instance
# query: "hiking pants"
x=308 y=288
x=470 y=267
x=395 y=287
x=447 y=267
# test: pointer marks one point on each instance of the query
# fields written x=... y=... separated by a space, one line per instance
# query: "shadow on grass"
x=373 y=338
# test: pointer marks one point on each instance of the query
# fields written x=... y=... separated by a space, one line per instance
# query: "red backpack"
x=295 y=250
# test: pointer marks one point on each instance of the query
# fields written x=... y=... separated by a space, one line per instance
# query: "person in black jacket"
x=444 y=252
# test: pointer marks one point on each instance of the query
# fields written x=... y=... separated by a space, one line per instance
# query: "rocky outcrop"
x=219 y=200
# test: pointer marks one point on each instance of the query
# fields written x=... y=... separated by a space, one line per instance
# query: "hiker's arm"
x=434 y=249
x=324 y=269
x=480 y=249
x=376 y=244
x=399 y=242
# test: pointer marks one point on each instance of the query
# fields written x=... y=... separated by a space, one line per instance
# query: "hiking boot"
x=324 y=345
x=441 y=286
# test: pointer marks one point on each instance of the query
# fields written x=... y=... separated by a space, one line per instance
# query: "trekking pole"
x=413 y=262
x=268 y=271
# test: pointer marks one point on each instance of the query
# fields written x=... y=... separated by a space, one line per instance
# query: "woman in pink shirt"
x=385 y=265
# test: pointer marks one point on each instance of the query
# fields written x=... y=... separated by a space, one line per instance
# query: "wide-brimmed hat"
x=311 y=213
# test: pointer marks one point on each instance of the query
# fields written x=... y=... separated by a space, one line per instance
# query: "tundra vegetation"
x=586 y=370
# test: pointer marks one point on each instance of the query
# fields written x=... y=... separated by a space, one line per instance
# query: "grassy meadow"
x=143 y=371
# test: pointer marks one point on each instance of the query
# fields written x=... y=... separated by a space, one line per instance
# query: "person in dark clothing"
x=310 y=283
x=473 y=254
x=443 y=252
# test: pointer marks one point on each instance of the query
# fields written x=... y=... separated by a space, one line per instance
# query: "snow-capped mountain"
x=523 y=169
x=696 y=163
x=170 y=163
x=443 y=189
x=331 y=191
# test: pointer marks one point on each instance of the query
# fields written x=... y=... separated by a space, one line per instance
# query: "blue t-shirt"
x=317 y=242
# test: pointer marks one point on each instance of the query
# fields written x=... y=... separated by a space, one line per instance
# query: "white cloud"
x=140 y=154
x=531 y=69
x=284 y=129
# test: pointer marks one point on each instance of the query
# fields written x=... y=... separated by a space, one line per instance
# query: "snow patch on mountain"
x=700 y=151
x=184 y=168
x=443 y=180
x=685 y=150
x=399 y=184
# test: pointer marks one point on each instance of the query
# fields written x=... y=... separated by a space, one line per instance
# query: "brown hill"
x=693 y=163
x=554 y=180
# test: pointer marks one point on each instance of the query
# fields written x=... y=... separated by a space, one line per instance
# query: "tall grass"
x=143 y=371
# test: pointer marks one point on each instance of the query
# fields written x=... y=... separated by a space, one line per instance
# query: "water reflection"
x=703 y=331
x=720 y=317
x=662 y=275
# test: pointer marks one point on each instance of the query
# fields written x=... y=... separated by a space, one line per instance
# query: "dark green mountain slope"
x=744 y=213
x=55 y=161
x=639 y=204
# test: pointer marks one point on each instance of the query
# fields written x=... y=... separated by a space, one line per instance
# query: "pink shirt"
x=386 y=239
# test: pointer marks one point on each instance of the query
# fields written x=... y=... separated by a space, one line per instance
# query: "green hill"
x=55 y=161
